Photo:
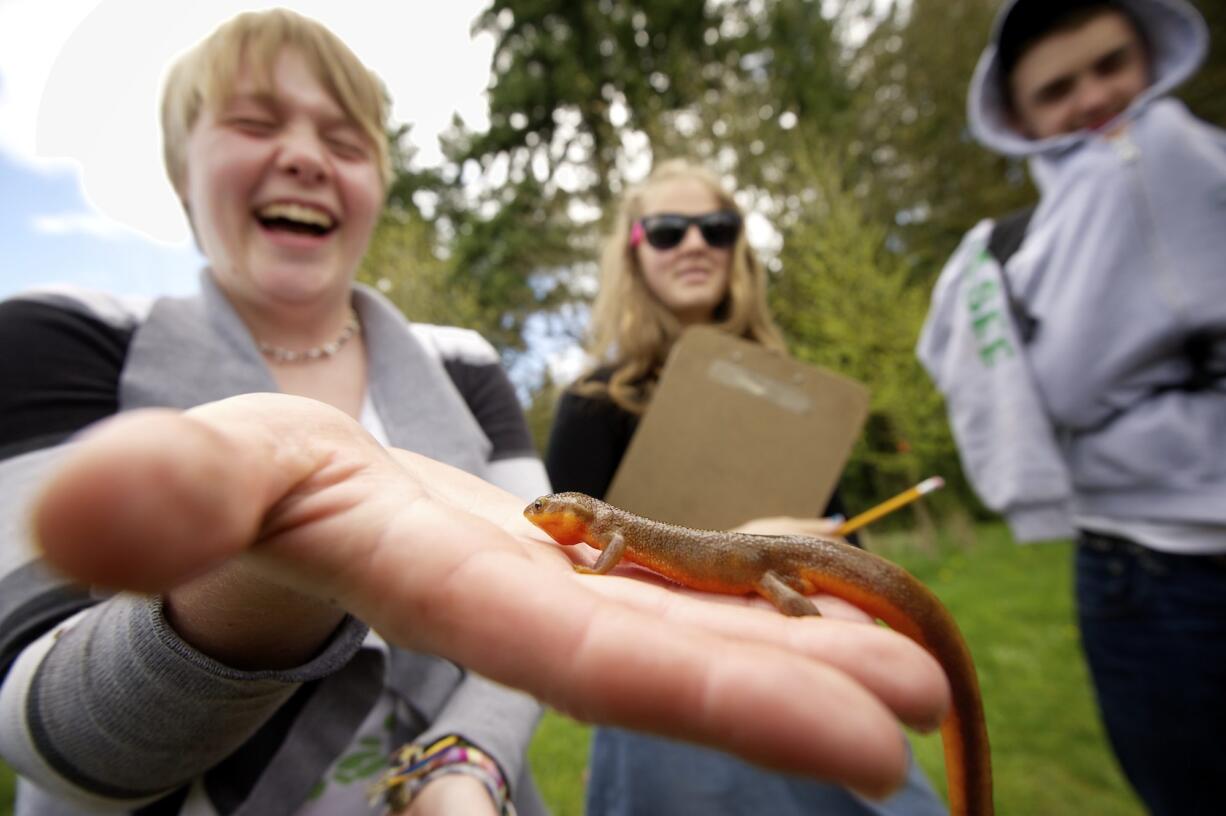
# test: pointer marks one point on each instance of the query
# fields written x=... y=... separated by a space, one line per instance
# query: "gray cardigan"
x=85 y=735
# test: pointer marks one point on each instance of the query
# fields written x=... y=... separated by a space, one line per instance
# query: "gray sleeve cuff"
x=123 y=707
x=1040 y=522
x=339 y=650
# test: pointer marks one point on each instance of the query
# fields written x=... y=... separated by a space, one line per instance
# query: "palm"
x=439 y=561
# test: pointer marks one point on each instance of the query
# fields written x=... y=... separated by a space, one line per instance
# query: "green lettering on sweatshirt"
x=985 y=304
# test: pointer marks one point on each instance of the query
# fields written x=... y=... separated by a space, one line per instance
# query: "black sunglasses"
x=665 y=231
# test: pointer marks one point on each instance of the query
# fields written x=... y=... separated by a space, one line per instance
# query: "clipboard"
x=736 y=432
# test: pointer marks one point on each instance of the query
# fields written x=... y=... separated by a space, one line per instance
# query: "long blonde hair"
x=631 y=331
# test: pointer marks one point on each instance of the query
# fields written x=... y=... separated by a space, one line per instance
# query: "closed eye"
x=1053 y=92
x=347 y=148
x=252 y=125
x=1114 y=62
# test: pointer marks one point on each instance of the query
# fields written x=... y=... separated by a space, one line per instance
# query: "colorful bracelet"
x=414 y=766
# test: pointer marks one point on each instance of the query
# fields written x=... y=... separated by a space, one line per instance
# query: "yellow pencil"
x=890 y=505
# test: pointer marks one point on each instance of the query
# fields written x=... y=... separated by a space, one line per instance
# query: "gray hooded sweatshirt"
x=1113 y=414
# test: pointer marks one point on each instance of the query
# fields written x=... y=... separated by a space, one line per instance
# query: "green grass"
x=559 y=761
x=1015 y=607
x=1014 y=604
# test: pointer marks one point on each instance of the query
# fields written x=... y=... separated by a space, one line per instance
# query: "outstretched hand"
x=439 y=561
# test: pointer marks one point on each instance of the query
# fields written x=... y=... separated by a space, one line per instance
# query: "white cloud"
x=81 y=80
x=32 y=33
x=91 y=224
x=565 y=365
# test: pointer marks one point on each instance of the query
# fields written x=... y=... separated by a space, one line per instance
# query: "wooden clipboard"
x=736 y=432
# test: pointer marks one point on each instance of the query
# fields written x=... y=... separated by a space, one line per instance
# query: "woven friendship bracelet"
x=414 y=766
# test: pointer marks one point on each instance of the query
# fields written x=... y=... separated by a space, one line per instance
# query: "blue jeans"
x=635 y=774
x=1153 y=626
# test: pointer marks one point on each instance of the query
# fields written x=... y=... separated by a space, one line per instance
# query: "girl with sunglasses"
x=678 y=257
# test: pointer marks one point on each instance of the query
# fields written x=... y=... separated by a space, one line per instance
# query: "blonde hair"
x=632 y=331
x=207 y=74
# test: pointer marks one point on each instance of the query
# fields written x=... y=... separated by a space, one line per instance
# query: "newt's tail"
x=910 y=608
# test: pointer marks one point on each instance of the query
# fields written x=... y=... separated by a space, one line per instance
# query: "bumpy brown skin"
x=783 y=569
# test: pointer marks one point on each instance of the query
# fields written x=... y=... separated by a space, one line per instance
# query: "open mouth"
x=295 y=218
x=693 y=274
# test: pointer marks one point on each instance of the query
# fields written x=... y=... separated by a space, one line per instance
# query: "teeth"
x=296 y=212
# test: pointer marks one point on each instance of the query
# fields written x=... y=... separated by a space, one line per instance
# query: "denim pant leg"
x=634 y=774
x=1153 y=627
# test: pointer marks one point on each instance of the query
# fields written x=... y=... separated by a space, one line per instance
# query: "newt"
x=783 y=570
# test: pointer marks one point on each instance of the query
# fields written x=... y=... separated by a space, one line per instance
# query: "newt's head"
x=565 y=516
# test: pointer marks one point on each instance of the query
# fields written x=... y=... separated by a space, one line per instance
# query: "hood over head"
x=1174 y=31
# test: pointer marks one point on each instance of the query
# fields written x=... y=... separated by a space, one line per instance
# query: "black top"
x=66 y=375
x=588 y=441
x=589 y=438
x=62 y=373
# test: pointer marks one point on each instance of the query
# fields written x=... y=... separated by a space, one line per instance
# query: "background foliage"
x=841 y=123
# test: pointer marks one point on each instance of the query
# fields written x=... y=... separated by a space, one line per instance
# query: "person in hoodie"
x=1085 y=379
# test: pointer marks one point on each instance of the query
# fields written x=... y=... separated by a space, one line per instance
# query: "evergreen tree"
x=848 y=303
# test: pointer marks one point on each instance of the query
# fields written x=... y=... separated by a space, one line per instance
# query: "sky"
x=83 y=196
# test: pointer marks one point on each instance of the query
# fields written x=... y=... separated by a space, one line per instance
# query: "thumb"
x=152 y=498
